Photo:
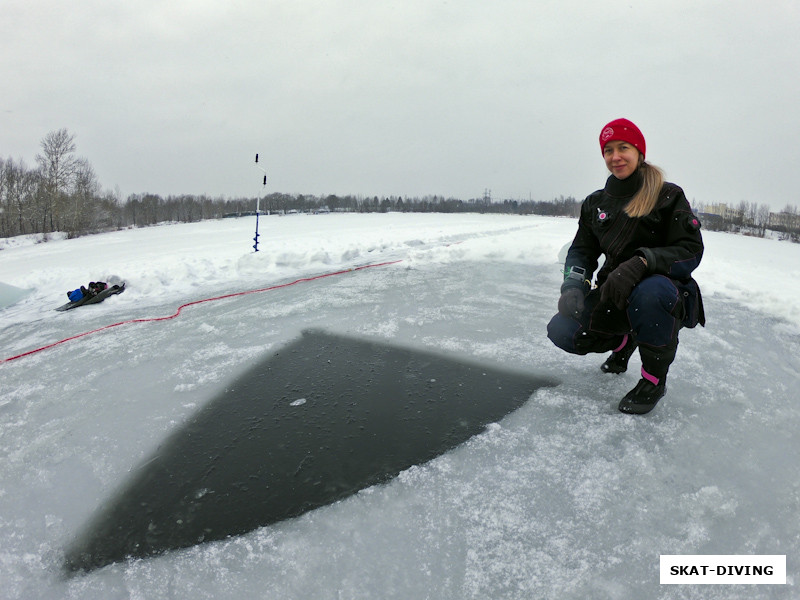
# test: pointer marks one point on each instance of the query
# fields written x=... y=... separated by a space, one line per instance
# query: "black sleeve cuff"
x=650 y=257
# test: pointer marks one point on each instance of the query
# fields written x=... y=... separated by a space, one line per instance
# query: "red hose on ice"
x=181 y=307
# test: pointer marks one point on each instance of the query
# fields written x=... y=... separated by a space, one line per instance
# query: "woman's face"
x=622 y=159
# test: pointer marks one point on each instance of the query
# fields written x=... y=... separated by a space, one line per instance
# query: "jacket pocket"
x=693 y=312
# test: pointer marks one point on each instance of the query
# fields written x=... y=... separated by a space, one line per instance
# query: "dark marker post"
x=258 y=206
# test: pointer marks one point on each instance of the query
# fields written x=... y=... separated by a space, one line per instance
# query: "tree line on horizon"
x=63 y=194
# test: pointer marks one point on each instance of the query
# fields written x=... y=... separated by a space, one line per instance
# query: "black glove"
x=570 y=304
x=621 y=281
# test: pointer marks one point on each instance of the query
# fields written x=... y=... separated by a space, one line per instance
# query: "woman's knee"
x=562 y=331
x=654 y=293
x=652 y=311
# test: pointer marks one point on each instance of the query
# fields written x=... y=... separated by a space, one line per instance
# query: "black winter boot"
x=617 y=362
x=644 y=397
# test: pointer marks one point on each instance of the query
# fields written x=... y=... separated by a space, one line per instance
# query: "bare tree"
x=4 y=203
x=763 y=217
x=59 y=167
x=82 y=200
x=18 y=189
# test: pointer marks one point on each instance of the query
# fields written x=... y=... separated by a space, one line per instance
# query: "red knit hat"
x=623 y=130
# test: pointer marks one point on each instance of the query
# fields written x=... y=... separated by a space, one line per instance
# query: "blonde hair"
x=645 y=200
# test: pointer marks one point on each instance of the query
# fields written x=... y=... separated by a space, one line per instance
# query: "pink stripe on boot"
x=651 y=378
x=622 y=345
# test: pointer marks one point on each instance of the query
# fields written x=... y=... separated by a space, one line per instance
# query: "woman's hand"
x=621 y=281
x=570 y=304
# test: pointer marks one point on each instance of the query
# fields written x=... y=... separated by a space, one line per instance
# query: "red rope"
x=181 y=307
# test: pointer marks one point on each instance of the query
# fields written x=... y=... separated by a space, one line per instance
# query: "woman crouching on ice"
x=644 y=292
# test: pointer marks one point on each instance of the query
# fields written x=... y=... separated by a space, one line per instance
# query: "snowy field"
x=565 y=498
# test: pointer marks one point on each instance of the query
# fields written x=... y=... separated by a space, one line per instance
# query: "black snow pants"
x=653 y=315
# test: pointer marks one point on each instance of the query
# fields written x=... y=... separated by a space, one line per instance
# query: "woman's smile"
x=622 y=159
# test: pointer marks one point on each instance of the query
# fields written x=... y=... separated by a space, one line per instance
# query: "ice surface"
x=11 y=295
x=373 y=410
x=564 y=498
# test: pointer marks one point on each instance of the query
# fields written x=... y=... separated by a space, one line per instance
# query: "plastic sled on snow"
x=99 y=297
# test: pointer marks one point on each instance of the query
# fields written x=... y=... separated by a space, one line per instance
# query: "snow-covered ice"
x=564 y=498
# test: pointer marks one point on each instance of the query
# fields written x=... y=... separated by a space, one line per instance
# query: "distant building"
x=711 y=221
x=724 y=211
x=784 y=220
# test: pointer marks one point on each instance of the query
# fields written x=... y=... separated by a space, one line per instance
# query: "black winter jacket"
x=668 y=238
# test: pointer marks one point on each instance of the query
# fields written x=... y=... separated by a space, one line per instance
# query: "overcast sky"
x=407 y=98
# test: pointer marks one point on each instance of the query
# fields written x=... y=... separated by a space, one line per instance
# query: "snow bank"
x=182 y=262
